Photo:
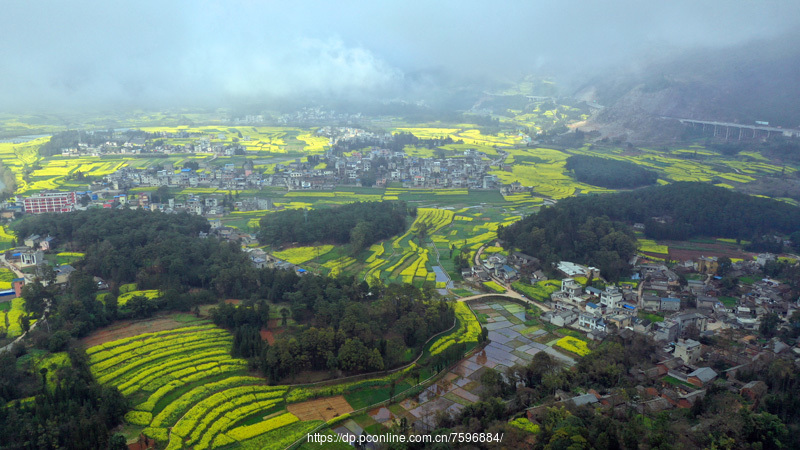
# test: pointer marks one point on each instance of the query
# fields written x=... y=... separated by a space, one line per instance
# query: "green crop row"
x=99 y=360
x=230 y=418
x=175 y=410
x=140 y=337
x=250 y=431
x=195 y=373
x=467 y=331
x=199 y=417
x=139 y=363
x=158 y=370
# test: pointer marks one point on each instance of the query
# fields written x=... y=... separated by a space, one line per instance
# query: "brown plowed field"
x=128 y=328
x=698 y=250
x=321 y=409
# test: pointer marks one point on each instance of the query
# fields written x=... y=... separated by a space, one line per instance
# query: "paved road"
x=28 y=279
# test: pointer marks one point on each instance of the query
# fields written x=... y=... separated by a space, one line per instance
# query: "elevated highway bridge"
x=732 y=130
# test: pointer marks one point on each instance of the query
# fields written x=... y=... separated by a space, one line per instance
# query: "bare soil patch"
x=128 y=328
x=321 y=409
x=701 y=249
x=273 y=331
x=268 y=336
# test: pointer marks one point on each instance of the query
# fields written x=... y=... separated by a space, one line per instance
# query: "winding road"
x=27 y=280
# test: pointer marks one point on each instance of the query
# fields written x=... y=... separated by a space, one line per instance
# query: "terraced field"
x=188 y=391
x=709 y=167
x=543 y=170
x=466 y=332
x=403 y=259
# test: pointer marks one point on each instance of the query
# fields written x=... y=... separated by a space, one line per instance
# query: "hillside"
x=583 y=229
x=744 y=84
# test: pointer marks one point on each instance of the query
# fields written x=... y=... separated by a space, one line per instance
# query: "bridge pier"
x=728 y=125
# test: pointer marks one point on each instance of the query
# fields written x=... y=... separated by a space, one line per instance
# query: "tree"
x=43 y=371
x=118 y=442
x=58 y=341
x=422 y=231
x=725 y=265
x=375 y=362
x=25 y=323
x=769 y=325
x=795 y=238
x=162 y=195
x=354 y=356
x=361 y=236
x=47 y=273
x=416 y=373
x=140 y=306
x=285 y=313
x=112 y=307
x=36 y=296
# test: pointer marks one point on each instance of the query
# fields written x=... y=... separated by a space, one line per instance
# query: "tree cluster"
x=156 y=250
x=396 y=142
x=565 y=232
x=343 y=327
x=77 y=413
x=609 y=173
x=360 y=223
x=590 y=229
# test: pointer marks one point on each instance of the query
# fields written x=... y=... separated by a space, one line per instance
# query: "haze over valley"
x=400 y=225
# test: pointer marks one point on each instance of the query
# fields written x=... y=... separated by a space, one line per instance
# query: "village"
x=707 y=329
x=703 y=337
x=376 y=166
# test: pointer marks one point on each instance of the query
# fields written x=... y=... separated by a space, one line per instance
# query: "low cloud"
x=89 y=53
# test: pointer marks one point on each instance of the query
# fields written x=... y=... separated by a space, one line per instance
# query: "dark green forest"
x=594 y=229
x=156 y=250
x=360 y=224
x=344 y=326
x=341 y=318
x=76 y=413
x=563 y=232
x=609 y=173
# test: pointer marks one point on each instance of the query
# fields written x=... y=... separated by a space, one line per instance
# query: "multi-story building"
x=611 y=298
x=50 y=202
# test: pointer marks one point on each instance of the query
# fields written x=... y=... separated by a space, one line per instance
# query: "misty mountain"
x=759 y=81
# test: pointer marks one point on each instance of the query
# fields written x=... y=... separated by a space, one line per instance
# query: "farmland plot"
x=187 y=390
